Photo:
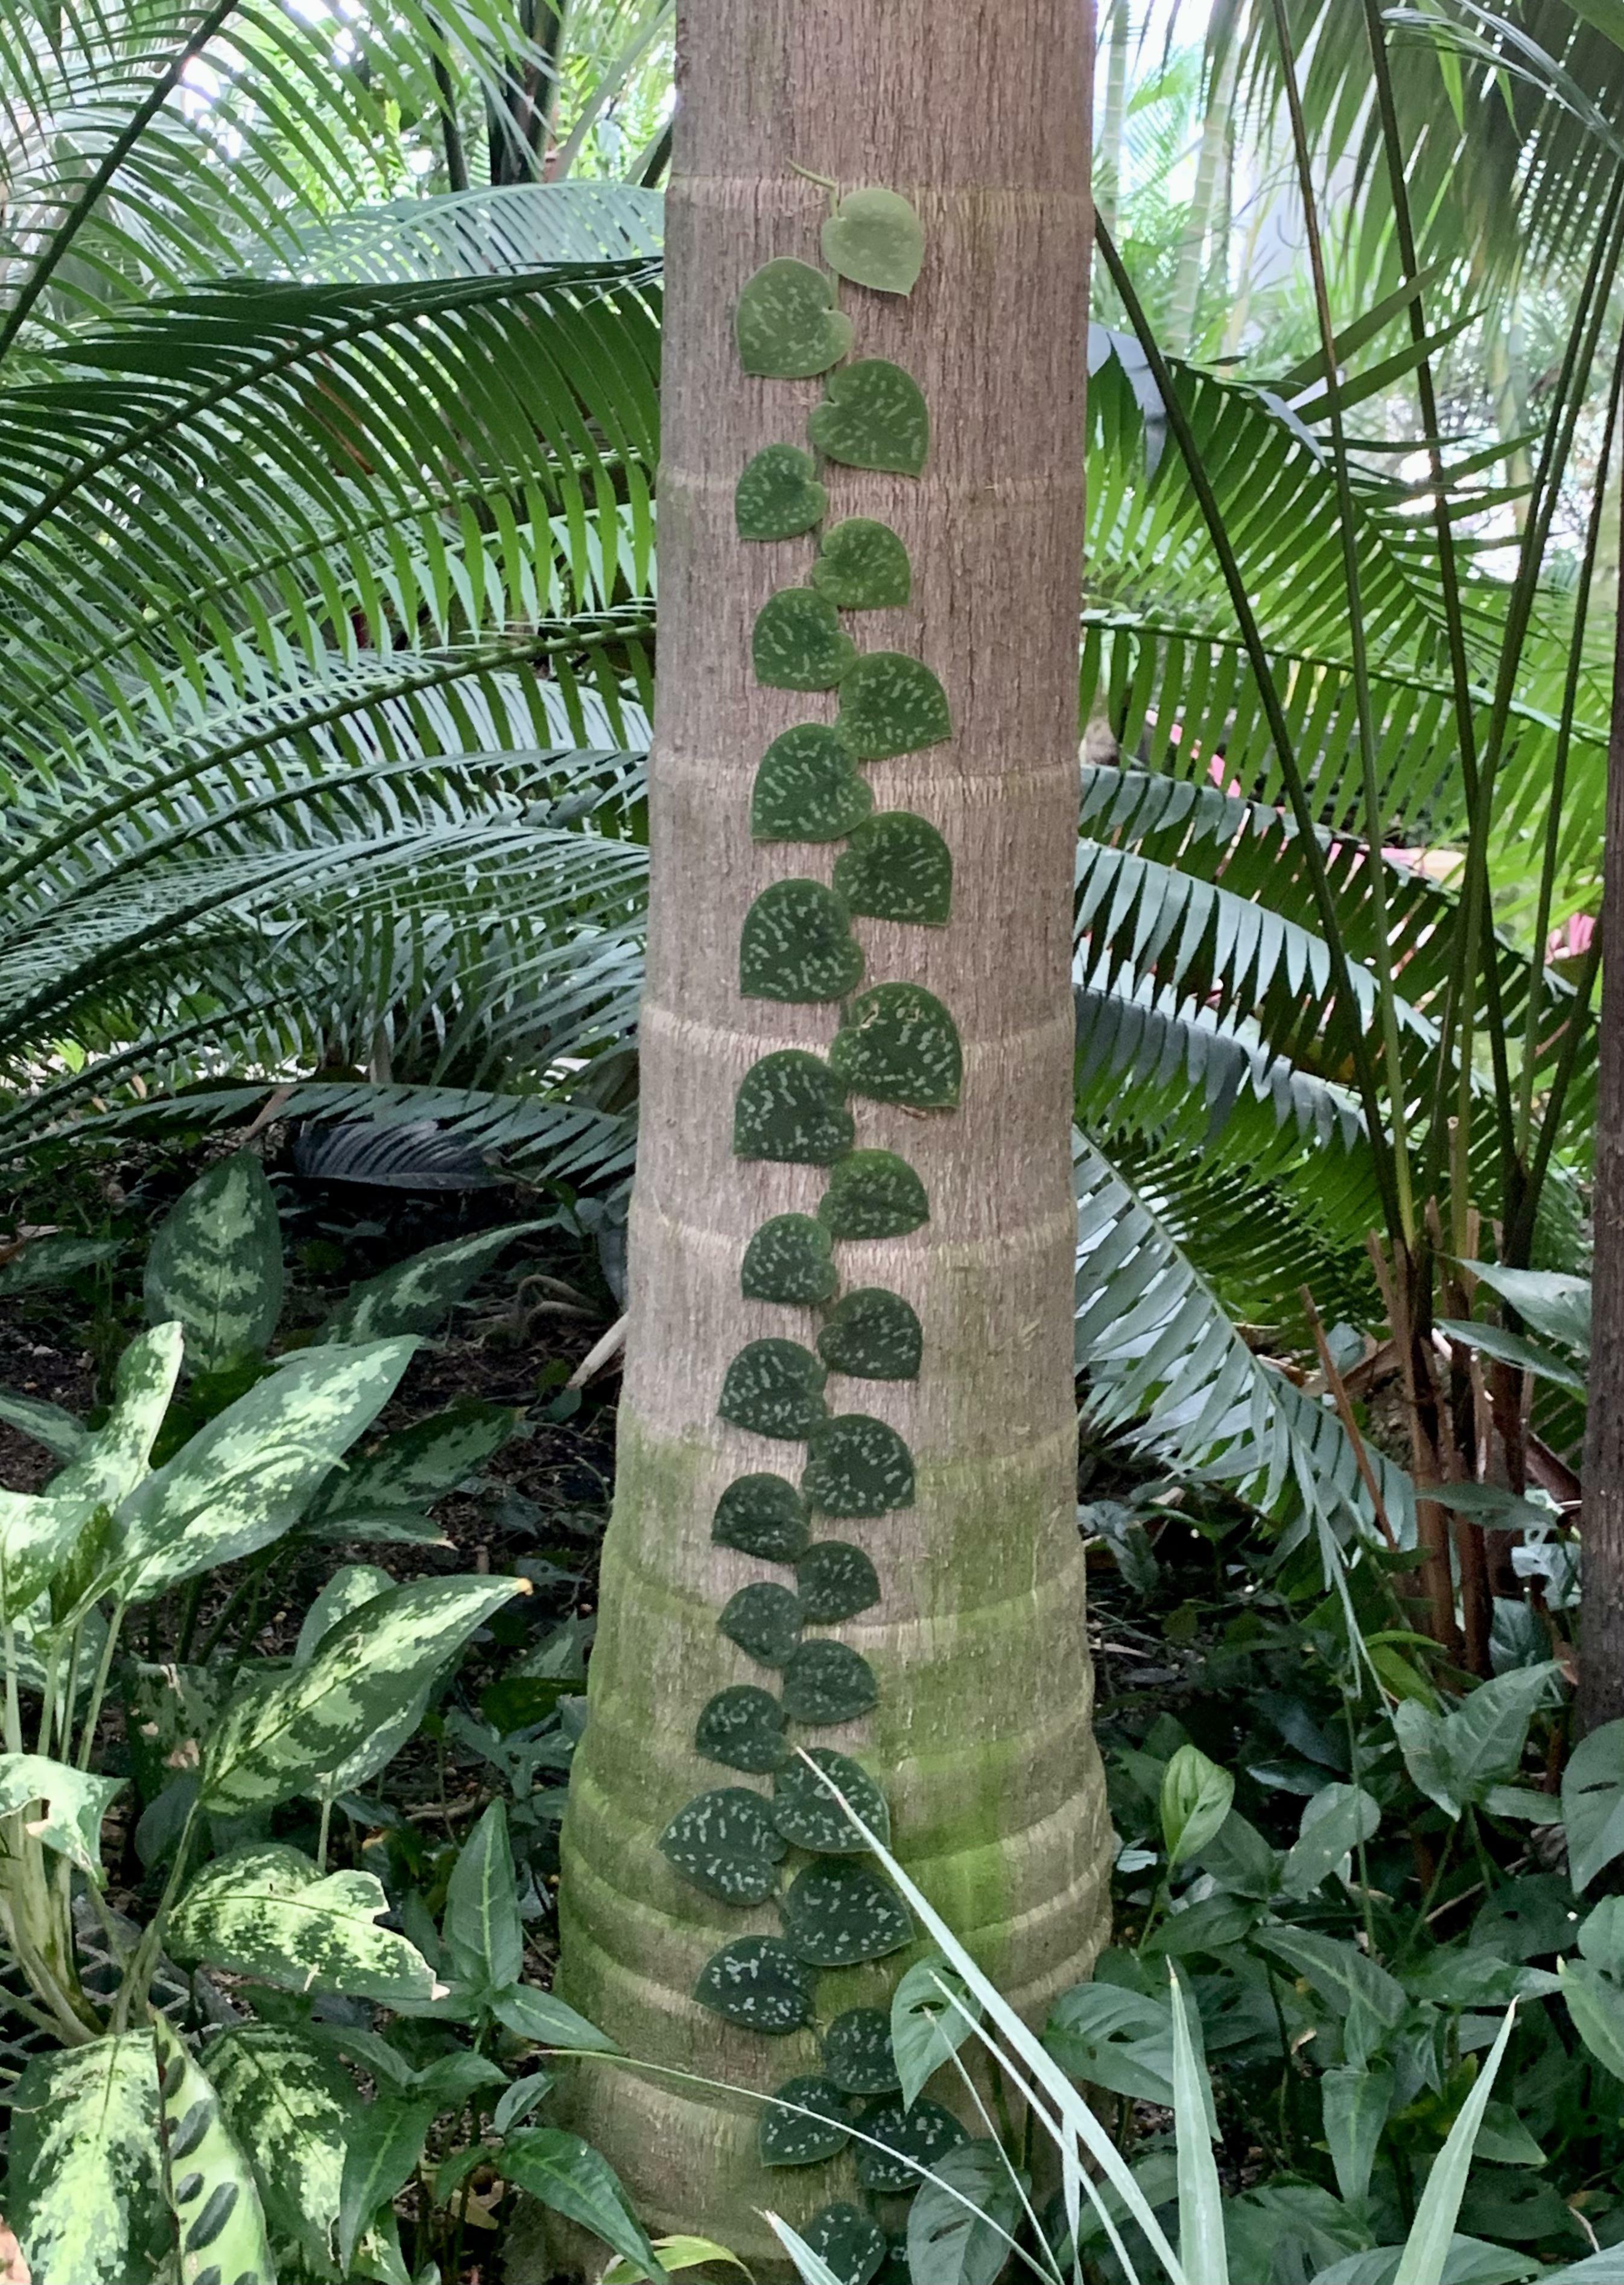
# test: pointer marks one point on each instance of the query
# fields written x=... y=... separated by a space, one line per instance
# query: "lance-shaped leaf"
x=71 y=1803
x=415 y=1466
x=219 y=2222
x=215 y=1265
x=38 y=1531
x=273 y=1740
x=264 y=1910
x=349 y=1589
x=114 y=1457
x=416 y=1296
x=568 y=2174
x=84 y=2190
x=484 y=1939
x=288 y=2102
x=382 y=2149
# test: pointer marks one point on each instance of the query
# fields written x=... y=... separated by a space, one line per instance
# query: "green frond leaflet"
x=791 y=1108
x=797 y=642
x=797 y=945
x=790 y=2138
x=765 y=1620
x=857 y=2052
x=762 y=1515
x=806 y=1813
x=837 y=1913
x=914 y=2139
x=826 y=1682
x=896 y=867
x=727 y=1843
x=873 y=416
x=778 y=496
x=742 y=1727
x=786 y=324
x=835 y=1581
x=850 y=2242
x=873 y=1194
x=871 y=1334
x=899 y=1044
x=774 y=1388
x=890 y=704
x=857 y=1465
x=862 y=566
x=790 y=1260
x=807 y=788
x=757 y=1983
x=875 y=237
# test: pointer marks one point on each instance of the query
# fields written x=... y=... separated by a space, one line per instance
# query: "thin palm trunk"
x=981 y=1736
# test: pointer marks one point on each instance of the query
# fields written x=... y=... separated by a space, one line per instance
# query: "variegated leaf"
x=247 y=1476
x=344 y=1594
x=215 y=1265
x=73 y=1803
x=272 y=1741
x=38 y=1531
x=264 y=1910
x=84 y=2192
x=211 y=2189
x=415 y=1296
x=114 y=1457
x=418 y=1465
x=288 y=2102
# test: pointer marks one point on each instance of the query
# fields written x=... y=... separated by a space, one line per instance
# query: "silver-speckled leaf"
x=862 y=566
x=742 y=1727
x=778 y=496
x=219 y=2222
x=871 y=1334
x=807 y=788
x=876 y=239
x=727 y=1843
x=873 y=1194
x=858 y=1466
x=762 y=1515
x=774 y=1388
x=828 y=1682
x=790 y=1260
x=898 y=868
x=38 y=1535
x=797 y=642
x=857 y=2052
x=873 y=415
x=917 y=2137
x=797 y=945
x=786 y=324
x=837 y=1913
x=835 y=1582
x=84 y=2188
x=265 y=1911
x=215 y=1265
x=807 y=1813
x=848 y=2241
x=890 y=704
x=899 y=1044
x=765 y=1620
x=791 y=1108
x=790 y=2137
x=417 y=1466
x=114 y=1457
x=756 y=1982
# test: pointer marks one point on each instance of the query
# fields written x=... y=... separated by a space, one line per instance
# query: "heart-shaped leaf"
x=807 y=1813
x=875 y=237
x=786 y=324
x=873 y=416
x=873 y=1335
x=743 y=1728
x=799 y=643
x=1593 y=1803
x=835 y=1581
x=873 y=1194
x=757 y=1983
x=849 y=2242
x=857 y=1465
x=898 y=868
x=828 y=1682
x=857 y=2052
x=762 y=1515
x=807 y=788
x=789 y=1259
x=797 y=945
x=837 y=1913
x=890 y=704
x=863 y=566
x=764 y=1621
x=790 y=2137
x=774 y=1388
x=778 y=496
x=914 y=2140
x=899 y=1044
x=791 y=1108
x=727 y=1843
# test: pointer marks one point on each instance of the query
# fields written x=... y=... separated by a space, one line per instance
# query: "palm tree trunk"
x=981 y=1736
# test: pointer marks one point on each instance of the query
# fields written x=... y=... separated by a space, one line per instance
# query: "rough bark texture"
x=982 y=1735
x=1601 y=1650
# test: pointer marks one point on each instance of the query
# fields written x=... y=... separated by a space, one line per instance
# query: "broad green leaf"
x=246 y=1478
x=1201 y=2205
x=215 y=1265
x=530 y=2014
x=568 y=2175
x=969 y=2242
x=416 y=1296
x=1601 y=1937
x=485 y=1939
x=1511 y=1348
x=876 y=239
x=933 y=2012
x=264 y=1910
x=1553 y=1306
x=275 y=1738
x=288 y=2103
x=383 y=2146
x=1334 y=1822
x=1355 y=2102
x=1456 y=1758
x=219 y=2222
x=1196 y=1798
x=1109 y=2037
x=1597 y=2007
x=1426 y=2248
x=675 y=2253
x=1354 y=1987
x=85 y=2191
x=114 y=1457
x=1593 y=1803
x=71 y=1803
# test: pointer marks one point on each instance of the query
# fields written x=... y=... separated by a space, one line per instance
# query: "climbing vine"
x=894 y=1043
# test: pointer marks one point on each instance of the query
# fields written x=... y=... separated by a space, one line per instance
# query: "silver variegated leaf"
x=71 y=1801
x=415 y=1296
x=219 y=2223
x=37 y=1531
x=84 y=2190
x=216 y=1264
x=115 y=1456
x=288 y=2102
x=264 y=1910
